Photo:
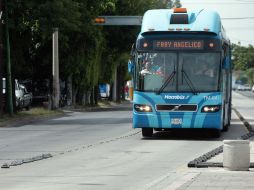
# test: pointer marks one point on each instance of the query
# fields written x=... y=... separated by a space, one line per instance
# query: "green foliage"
x=250 y=76
x=243 y=60
x=119 y=40
x=171 y=4
x=177 y=4
x=243 y=57
x=87 y=52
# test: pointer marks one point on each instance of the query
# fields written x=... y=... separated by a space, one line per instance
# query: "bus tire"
x=147 y=132
x=225 y=128
x=158 y=129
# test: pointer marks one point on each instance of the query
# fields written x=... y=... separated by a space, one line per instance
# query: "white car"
x=240 y=87
x=252 y=89
x=19 y=93
x=245 y=87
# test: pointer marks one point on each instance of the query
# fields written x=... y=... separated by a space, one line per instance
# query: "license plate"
x=176 y=121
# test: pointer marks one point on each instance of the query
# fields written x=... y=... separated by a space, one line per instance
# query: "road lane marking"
x=246 y=123
x=178 y=183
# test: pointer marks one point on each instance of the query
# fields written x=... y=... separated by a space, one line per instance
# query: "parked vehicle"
x=18 y=92
x=234 y=87
x=252 y=89
x=26 y=101
x=239 y=87
x=23 y=98
x=245 y=87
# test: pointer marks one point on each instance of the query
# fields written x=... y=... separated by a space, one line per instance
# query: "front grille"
x=177 y=107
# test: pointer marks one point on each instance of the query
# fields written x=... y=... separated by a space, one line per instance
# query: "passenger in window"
x=146 y=69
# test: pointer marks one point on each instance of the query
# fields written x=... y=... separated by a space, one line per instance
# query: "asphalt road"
x=100 y=150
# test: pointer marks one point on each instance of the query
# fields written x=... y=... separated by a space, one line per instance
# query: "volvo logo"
x=176 y=108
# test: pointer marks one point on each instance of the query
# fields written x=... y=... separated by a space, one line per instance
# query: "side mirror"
x=226 y=63
x=130 y=66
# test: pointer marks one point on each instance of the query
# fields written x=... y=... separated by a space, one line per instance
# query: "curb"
x=17 y=122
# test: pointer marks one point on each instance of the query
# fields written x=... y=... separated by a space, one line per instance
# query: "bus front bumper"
x=174 y=121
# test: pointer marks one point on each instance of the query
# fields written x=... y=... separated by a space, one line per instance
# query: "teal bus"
x=181 y=67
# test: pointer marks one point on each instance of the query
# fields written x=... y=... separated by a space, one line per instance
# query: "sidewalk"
x=109 y=106
x=103 y=106
x=220 y=178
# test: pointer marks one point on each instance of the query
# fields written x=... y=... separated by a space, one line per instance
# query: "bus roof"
x=182 y=20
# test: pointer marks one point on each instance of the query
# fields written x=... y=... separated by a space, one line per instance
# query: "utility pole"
x=8 y=62
x=56 y=86
x=115 y=86
x=1 y=57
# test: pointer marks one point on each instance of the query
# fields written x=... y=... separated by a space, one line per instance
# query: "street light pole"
x=56 y=86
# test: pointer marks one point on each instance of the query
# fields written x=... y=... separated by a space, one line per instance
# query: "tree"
x=173 y=4
x=250 y=76
x=32 y=23
x=88 y=53
x=177 y=4
x=123 y=37
x=243 y=57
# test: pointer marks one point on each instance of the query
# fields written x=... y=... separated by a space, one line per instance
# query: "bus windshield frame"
x=178 y=71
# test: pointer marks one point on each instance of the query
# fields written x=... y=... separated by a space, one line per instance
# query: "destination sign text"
x=178 y=44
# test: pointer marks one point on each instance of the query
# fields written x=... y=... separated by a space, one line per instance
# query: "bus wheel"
x=147 y=132
x=225 y=127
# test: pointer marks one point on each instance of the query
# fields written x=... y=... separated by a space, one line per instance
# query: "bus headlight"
x=142 y=108
x=211 y=108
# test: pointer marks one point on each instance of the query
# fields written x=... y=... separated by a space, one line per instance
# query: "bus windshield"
x=177 y=72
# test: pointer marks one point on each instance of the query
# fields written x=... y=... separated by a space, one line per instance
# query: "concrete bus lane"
x=101 y=151
x=221 y=178
x=245 y=105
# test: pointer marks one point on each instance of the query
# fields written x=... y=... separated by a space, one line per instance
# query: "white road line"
x=175 y=185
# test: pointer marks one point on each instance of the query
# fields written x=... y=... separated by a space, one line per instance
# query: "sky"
x=237 y=17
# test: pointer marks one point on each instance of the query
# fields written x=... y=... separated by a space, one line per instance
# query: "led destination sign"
x=178 y=44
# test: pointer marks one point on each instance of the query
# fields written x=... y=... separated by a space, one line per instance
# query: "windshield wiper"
x=188 y=81
x=171 y=76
